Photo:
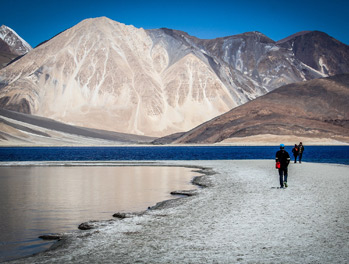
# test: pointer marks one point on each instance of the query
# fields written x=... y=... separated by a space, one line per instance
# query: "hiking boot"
x=285 y=183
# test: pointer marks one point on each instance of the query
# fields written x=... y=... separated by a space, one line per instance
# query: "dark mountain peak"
x=314 y=36
x=252 y=35
x=319 y=51
x=301 y=33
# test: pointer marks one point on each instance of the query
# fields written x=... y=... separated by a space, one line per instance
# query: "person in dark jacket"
x=295 y=151
x=283 y=157
x=300 y=151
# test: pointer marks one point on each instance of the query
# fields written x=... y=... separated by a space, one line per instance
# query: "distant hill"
x=313 y=109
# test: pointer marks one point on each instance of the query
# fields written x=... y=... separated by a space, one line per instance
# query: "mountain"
x=249 y=64
x=319 y=51
x=11 y=45
x=316 y=108
x=102 y=74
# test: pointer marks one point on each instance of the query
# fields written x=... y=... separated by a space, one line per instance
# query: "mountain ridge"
x=107 y=75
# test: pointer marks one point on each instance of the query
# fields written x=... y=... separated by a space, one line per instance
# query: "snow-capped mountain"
x=11 y=46
x=106 y=75
x=15 y=43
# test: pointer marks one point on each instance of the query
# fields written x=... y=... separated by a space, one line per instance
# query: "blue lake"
x=323 y=154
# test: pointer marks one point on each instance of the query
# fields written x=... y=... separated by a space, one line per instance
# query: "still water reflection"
x=41 y=200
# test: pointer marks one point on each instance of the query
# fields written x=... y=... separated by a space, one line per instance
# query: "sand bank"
x=275 y=140
x=241 y=218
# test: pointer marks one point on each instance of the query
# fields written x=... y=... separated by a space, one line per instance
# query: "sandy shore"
x=241 y=218
x=275 y=140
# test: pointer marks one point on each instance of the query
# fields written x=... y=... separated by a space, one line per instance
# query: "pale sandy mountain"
x=105 y=75
x=313 y=109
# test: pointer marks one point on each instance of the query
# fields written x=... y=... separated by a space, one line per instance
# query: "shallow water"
x=39 y=200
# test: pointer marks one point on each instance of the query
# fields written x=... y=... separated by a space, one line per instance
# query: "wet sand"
x=241 y=217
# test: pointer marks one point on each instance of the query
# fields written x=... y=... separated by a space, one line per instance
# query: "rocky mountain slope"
x=106 y=75
x=11 y=45
x=317 y=108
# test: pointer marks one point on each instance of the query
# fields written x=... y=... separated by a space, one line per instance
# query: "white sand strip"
x=242 y=218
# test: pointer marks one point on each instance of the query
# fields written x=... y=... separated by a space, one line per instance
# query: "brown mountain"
x=317 y=108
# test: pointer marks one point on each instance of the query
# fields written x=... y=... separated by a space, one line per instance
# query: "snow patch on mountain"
x=323 y=66
x=17 y=44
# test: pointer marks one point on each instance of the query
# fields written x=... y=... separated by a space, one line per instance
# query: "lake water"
x=36 y=200
x=328 y=154
x=39 y=200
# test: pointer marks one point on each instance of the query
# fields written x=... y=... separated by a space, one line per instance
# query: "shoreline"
x=235 y=224
x=241 y=144
x=61 y=239
x=257 y=140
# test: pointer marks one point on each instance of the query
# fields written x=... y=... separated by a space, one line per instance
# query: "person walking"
x=295 y=152
x=300 y=151
x=283 y=159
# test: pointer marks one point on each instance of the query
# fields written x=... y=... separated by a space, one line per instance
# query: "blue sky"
x=39 y=20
